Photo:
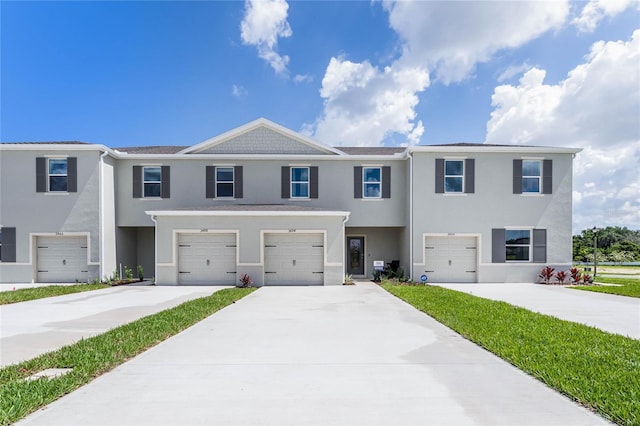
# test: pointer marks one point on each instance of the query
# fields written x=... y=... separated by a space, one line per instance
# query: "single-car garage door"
x=294 y=259
x=61 y=259
x=207 y=259
x=451 y=259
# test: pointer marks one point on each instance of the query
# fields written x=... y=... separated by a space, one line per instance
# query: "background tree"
x=615 y=244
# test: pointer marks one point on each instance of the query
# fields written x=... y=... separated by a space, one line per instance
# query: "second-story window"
x=531 y=176
x=152 y=182
x=224 y=182
x=58 y=177
x=371 y=182
x=299 y=182
x=454 y=176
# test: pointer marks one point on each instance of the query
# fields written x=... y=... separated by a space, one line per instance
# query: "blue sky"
x=129 y=73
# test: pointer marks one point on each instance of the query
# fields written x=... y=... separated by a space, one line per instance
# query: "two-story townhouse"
x=266 y=201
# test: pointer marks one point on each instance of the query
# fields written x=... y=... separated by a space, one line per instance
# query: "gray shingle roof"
x=254 y=207
x=158 y=149
x=48 y=143
x=370 y=150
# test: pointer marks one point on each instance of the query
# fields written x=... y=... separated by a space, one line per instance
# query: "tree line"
x=615 y=244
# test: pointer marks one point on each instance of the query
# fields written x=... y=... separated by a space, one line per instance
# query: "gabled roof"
x=261 y=136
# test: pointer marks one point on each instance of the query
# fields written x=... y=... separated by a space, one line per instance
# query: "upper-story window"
x=454 y=176
x=56 y=174
x=531 y=176
x=518 y=245
x=152 y=182
x=371 y=182
x=299 y=182
x=224 y=182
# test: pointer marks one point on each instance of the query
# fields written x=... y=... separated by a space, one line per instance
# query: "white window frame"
x=365 y=183
x=144 y=182
x=232 y=181
x=453 y=176
x=50 y=175
x=529 y=246
x=526 y=177
x=299 y=182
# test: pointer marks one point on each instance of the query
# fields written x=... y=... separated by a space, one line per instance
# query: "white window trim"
x=454 y=176
x=539 y=177
x=530 y=245
x=364 y=183
x=233 y=182
x=144 y=196
x=49 y=174
x=307 y=182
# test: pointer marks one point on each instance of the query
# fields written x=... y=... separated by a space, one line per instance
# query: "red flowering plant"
x=245 y=281
x=561 y=276
x=576 y=275
x=547 y=274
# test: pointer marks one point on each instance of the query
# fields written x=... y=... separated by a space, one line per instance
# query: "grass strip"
x=96 y=355
x=597 y=369
x=33 y=293
x=627 y=286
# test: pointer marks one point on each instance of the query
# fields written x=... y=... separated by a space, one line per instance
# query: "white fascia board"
x=238 y=157
x=254 y=125
x=499 y=149
x=260 y=213
x=56 y=147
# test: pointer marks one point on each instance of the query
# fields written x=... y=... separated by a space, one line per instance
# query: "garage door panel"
x=61 y=259
x=451 y=259
x=294 y=259
x=207 y=259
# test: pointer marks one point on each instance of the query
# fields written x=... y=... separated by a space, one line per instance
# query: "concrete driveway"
x=29 y=329
x=348 y=355
x=615 y=314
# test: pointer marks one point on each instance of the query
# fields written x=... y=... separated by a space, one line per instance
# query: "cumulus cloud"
x=264 y=22
x=596 y=107
x=366 y=104
x=238 y=91
x=596 y=10
x=512 y=71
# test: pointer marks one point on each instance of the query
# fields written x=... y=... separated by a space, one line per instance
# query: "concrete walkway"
x=348 y=355
x=615 y=314
x=29 y=329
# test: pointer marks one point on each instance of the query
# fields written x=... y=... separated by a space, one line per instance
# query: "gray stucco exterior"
x=122 y=227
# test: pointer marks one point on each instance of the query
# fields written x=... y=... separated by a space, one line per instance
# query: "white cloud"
x=512 y=71
x=238 y=91
x=596 y=107
x=596 y=10
x=264 y=22
x=302 y=78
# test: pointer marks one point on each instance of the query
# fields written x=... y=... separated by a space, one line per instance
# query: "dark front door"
x=355 y=253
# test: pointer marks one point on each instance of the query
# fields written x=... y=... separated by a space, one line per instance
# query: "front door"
x=355 y=255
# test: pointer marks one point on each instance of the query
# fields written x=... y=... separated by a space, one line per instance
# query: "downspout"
x=155 y=248
x=410 y=155
x=344 y=243
x=101 y=212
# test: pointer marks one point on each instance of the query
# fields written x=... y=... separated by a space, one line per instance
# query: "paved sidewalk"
x=347 y=355
x=29 y=329
x=615 y=314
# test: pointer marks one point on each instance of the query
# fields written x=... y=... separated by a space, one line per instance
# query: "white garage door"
x=207 y=259
x=62 y=259
x=451 y=259
x=294 y=259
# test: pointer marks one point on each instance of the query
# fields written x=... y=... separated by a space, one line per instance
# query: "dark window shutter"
x=210 y=181
x=439 y=175
x=285 y=183
x=469 y=176
x=357 y=182
x=41 y=174
x=137 y=181
x=517 y=176
x=547 y=176
x=498 y=247
x=386 y=182
x=72 y=174
x=8 y=244
x=540 y=245
x=313 y=182
x=237 y=176
x=166 y=182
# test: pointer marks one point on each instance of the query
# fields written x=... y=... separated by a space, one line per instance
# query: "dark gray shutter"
x=357 y=182
x=72 y=174
x=469 y=176
x=8 y=244
x=498 y=245
x=285 y=183
x=540 y=245
x=439 y=175
x=166 y=182
x=41 y=174
x=386 y=182
x=517 y=176
x=547 y=176
x=210 y=181
x=137 y=181
x=237 y=176
x=313 y=182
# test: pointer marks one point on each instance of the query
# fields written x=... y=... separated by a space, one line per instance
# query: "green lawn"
x=628 y=286
x=94 y=356
x=597 y=369
x=25 y=294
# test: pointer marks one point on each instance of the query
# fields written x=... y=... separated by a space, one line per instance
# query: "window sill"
x=372 y=198
x=532 y=194
x=56 y=193
x=455 y=194
x=150 y=198
x=300 y=199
